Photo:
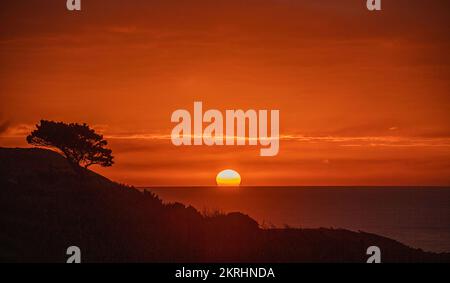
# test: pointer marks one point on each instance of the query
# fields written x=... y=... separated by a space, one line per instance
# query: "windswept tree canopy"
x=80 y=144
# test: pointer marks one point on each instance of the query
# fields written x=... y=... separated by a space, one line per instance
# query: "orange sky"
x=363 y=97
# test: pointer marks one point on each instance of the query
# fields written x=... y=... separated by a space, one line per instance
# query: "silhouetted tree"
x=81 y=145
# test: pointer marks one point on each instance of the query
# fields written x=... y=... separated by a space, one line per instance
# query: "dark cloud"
x=4 y=125
x=269 y=19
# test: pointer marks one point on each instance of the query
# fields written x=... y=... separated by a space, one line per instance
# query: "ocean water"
x=418 y=217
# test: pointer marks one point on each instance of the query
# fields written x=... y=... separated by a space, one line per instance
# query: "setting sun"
x=228 y=178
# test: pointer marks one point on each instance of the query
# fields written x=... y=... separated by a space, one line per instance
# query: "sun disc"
x=228 y=177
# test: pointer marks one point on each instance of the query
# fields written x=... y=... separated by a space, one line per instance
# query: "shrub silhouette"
x=81 y=145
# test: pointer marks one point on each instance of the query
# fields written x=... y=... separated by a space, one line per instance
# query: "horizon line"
x=293 y=186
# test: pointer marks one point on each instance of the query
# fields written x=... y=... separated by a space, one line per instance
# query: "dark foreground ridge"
x=48 y=206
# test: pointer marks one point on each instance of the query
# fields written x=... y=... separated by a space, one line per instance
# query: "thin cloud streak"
x=346 y=141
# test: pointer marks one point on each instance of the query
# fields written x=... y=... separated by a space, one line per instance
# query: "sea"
x=416 y=216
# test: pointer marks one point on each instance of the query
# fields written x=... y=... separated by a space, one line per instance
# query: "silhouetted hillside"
x=48 y=206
